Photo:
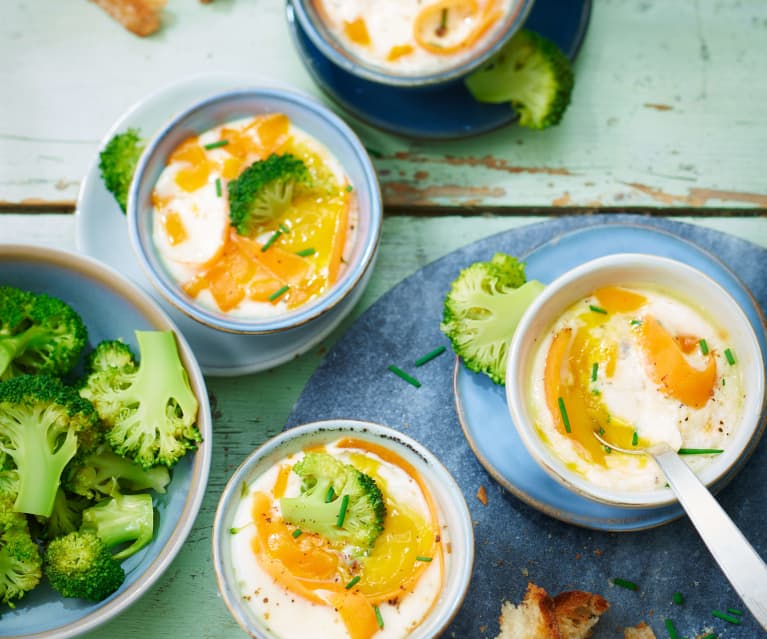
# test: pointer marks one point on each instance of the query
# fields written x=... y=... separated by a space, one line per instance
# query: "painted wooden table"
x=666 y=118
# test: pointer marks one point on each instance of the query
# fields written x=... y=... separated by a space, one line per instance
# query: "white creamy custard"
x=640 y=366
x=291 y=582
x=412 y=37
x=285 y=261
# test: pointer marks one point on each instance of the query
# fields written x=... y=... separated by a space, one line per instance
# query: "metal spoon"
x=737 y=558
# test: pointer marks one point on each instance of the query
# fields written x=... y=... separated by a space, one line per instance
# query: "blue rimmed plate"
x=481 y=405
x=435 y=113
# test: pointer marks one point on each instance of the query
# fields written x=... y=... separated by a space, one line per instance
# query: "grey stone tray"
x=514 y=542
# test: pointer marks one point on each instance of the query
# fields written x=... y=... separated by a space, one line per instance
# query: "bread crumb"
x=482 y=495
x=640 y=631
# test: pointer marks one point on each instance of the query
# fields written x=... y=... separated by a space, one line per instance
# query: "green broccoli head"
x=327 y=484
x=532 y=74
x=80 y=565
x=20 y=563
x=117 y=163
x=264 y=190
x=110 y=354
x=120 y=520
x=66 y=516
x=149 y=409
x=43 y=424
x=39 y=334
x=482 y=310
x=103 y=473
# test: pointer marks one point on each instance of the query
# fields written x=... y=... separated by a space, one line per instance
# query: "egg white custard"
x=640 y=366
x=297 y=582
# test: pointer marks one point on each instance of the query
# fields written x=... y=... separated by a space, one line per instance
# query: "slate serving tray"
x=515 y=543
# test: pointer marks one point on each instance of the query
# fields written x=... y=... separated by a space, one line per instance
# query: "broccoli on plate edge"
x=117 y=163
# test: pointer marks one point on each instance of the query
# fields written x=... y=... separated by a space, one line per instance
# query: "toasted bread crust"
x=532 y=619
x=141 y=17
x=577 y=612
x=640 y=631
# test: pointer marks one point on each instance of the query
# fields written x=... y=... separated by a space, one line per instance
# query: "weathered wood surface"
x=668 y=108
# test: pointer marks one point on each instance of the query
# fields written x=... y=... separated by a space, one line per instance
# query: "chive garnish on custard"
x=271 y=240
x=379 y=618
x=215 y=145
x=597 y=309
x=353 y=582
x=699 y=451
x=594 y=371
x=403 y=375
x=703 y=346
x=430 y=356
x=635 y=439
x=329 y=495
x=279 y=293
x=218 y=187
x=424 y=559
x=296 y=533
x=306 y=252
x=284 y=228
x=730 y=357
x=342 y=512
x=635 y=322
x=625 y=583
x=563 y=411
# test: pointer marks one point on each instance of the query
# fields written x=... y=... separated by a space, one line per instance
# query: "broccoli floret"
x=149 y=409
x=66 y=516
x=317 y=508
x=482 y=310
x=117 y=163
x=80 y=565
x=110 y=354
x=20 y=562
x=264 y=190
x=39 y=334
x=122 y=519
x=103 y=473
x=42 y=423
x=532 y=74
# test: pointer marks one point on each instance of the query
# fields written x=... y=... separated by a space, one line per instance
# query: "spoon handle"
x=736 y=557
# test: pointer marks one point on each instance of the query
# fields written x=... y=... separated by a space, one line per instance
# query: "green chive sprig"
x=215 y=145
x=275 y=236
x=725 y=617
x=735 y=611
x=279 y=293
x=424 y=559
x=306 y=252
x=625 y=583
x=699 y=451
x=730 y=357
x=379 y=618
x=218 y=187
x=703 y=346
x=353 y=582
x=563 y=411
x=678 y=598
x=329 y=495
x=297 y=533
x=671 y=628
x=635 y=439
x=403 y=375
x=597 y=309
x=594 y=371
x=430 y=356
x=342 y=512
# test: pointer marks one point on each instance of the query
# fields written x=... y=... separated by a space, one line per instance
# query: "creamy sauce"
x=291 y=615
x=410 y=37
x=231 y=273
x=640 y=366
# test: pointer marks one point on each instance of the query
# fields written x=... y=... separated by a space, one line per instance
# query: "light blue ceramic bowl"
x=332 y=48
x=314 y=119
x=111 y=308
x=455 y=517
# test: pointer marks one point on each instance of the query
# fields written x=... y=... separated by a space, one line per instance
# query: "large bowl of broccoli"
x=343 y=525
x=105 y=442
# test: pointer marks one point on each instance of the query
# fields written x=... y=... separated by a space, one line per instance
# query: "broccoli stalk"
x=264 y=190
x=326 y=481
x=122 y=519
x=42 y=422
x=39 y=334
x=532 y=74
x=117 y=163
x=20 y=564
x=482 y=310
x=149 y=409
x=80 y=565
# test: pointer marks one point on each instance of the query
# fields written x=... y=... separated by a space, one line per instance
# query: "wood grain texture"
x=668 y=108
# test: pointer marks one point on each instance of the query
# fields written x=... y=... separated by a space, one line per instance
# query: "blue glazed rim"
x=140 y=211
x=433 y=112
x=321 y=37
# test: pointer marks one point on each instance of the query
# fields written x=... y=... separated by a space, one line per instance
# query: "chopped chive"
x=353 y=582
x=635 y=322
x=244 y=489
x=329 y=495
x=306 y=252
x=349 y=188
x=672 y=633
x=296 y=533
x=271 y=241
x=730 y=357
x=596 y=391
x=379 y=618
x=594 y=371
x=699 y=451
x=402 y=374
x=424 y=559
x=597 y=309
x=624 y=583
x=678 y=598
x=635 y=439
x=608 y=450
x=430 y=356
x=279 y=293
x=218 y=187
x=215 y=145
x=284 y=228
x=724 y=382
x=442 y=29
x=563 y=410
x=236 y=529
x=735 y=611
x=342 y=512
x=725 y=617
x=703 y=346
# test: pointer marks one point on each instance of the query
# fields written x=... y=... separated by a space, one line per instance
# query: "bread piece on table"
x=577 y=612
x=141 y=17
x=641 y=631
x=532 y=619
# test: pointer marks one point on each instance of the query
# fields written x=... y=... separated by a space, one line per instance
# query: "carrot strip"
x=339 y=240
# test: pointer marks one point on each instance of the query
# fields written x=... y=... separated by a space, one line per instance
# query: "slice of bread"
x=641 y=631
x=141 y=17
x=569 y=615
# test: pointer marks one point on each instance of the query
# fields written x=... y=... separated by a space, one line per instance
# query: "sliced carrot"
x=357 y=613
x=339 y=240
x=399 y=51
x=615 y=299
x=272 y=130
x=667 y=366
x=281 y=482
x=174 y=228
x=357 y=32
